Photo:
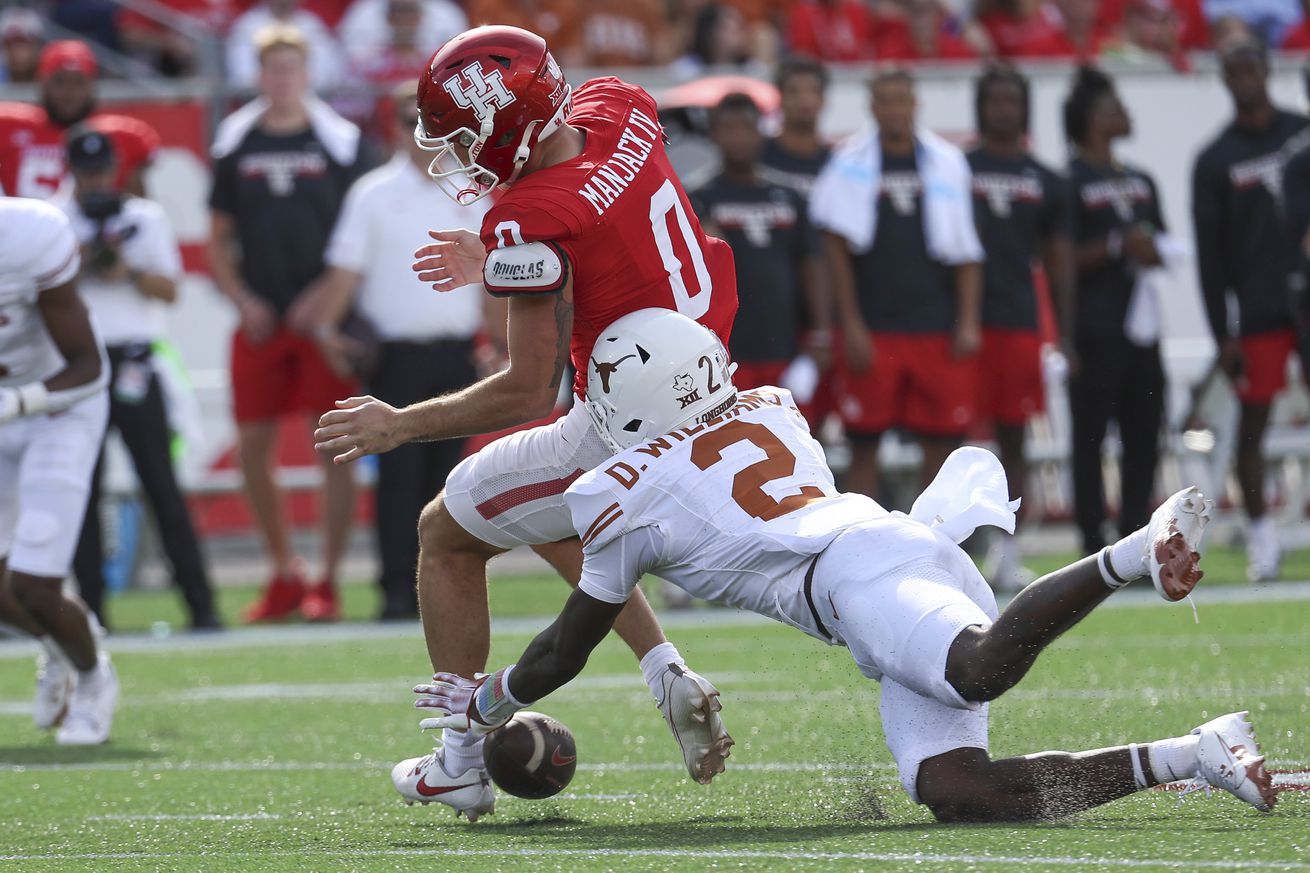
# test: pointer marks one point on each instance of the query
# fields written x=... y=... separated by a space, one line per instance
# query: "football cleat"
x=321 y=603
x=91 y=708
x=424 y=780
x=54 y=685
x=1172 y=539
x=690 y=705
x=281 y=599
x=1263 y=554
x=1230 y=759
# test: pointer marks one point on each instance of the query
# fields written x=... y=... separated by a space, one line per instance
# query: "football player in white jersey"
x=730 y=498
x=53 y=408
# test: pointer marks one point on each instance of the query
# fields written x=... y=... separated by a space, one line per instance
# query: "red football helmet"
x=487 y=98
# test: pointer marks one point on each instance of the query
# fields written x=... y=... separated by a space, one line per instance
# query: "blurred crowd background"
x=309 y=98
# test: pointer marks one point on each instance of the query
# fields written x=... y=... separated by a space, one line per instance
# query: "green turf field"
x=269 y=750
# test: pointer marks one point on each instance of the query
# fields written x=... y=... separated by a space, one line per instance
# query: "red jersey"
x=33 y=155
x=620 y=218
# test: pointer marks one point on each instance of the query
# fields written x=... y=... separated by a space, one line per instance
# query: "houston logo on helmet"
x=470 y=88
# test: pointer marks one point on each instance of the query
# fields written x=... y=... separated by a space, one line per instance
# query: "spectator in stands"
x=402 y=58
x=426 y=339
x=1228 y=27
x=367 y=29
x=1269 y=20
x=558 y=23
x=21 y=34
x=835 y=31
x=626 y=33
x=1153 y=27
x=794 y=157
x=243 y=66
x=33 y=155
x=130 y=268
x=1021 y=208
x=1236 y=190
x=1116 y=216
x=906 y=269
x=720 y=41
x=283 y=164
x=775 y=248
x=1042 y=28
x=922 y=33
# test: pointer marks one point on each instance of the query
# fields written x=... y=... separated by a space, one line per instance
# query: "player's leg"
x=256 y=445
x=1140 y=414
x=868 y=403
x=1264 y=376
x=12 y=613
x=89 y=557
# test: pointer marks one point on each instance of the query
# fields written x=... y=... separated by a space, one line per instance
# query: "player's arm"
x=968 y=309
x=855 y=334
x=540 y=327
x=84 y=373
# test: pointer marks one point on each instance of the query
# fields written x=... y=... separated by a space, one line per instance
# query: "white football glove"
x=478 y=705
x=11 y=406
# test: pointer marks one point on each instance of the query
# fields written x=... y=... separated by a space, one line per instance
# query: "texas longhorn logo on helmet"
x=481 y=92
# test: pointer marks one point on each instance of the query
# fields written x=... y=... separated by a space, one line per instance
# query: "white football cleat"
x=54 y=685
x=690 y=705
x=91 y=708
x=424 y=780
x=1172 y=540
x=1230 y=759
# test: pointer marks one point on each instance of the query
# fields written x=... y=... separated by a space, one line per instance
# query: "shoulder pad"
x=529 y=268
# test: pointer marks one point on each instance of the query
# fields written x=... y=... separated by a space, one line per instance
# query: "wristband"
x=33 y=399
x=495 y=703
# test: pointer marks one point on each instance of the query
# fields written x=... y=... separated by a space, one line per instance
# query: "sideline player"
x=1236 y=207
x=1021 y=210
x=593 y=224
x=730 y=498
x=53 y=408
x=33 y=153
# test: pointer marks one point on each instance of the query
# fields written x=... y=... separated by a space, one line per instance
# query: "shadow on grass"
x=27 y=756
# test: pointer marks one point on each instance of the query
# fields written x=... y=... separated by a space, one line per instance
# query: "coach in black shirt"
x=283 y=164
x=774 y=246
x=1021 y=208
x=1236 y=186
x=1116 y=215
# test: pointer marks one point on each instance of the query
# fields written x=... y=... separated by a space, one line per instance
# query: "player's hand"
x=453 y=261
x=1139 y=244
x=457 y=698
x=818 y=345
x=1232 y=360
x=258 y=320
x=967 y=340
x=857 y=343
x=358 y=426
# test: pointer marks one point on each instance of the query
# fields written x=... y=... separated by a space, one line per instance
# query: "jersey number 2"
x=662 y=202
x=748 y=485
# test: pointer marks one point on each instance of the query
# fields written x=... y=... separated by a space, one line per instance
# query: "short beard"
x=68 y=121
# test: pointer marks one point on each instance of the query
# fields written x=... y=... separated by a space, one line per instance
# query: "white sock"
x=54 y=652
x=462 y=750
x=653 y=664
x=1126 y=560
x=1174 y=759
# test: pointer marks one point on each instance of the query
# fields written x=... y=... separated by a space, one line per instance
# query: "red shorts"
x=1010 y=385
x=285 y=375
x=1266 y=365
x=756 y=374
x=915 y=383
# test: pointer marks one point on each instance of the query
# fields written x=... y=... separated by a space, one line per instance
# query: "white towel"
x=845 y=195
x=968 y=492
x=340 y=138
x=1142 y=321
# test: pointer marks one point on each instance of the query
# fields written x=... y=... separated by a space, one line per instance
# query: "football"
x=532 y=756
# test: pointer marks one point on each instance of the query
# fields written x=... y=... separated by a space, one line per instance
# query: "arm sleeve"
x=1208 y=222
x=611 y=572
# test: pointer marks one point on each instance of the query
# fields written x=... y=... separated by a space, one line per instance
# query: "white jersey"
x=38 y=251
x=732 y=511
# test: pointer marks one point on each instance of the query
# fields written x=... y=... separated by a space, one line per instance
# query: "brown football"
x=532 y=756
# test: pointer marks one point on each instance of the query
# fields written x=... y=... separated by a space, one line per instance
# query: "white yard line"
x=698 y=854
x=254 y=816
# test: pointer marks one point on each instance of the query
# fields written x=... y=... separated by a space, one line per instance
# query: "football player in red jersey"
x=32 y=148
x=592 y=224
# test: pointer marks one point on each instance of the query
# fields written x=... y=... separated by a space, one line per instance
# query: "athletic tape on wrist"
x=494 y=701
x=33 y=399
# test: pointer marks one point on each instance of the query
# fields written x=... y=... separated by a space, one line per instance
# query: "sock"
x=94 y=673
x=653 y=664
x=1174 y=759
x=1124 y=561
x=54 y=652
x=462 y=750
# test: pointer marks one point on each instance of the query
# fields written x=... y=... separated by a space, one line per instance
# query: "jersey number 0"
x=662 y=202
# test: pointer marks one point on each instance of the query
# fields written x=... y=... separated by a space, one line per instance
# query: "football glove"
x=479 y=705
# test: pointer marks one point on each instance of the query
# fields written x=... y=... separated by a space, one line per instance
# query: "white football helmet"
x=653 y=371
